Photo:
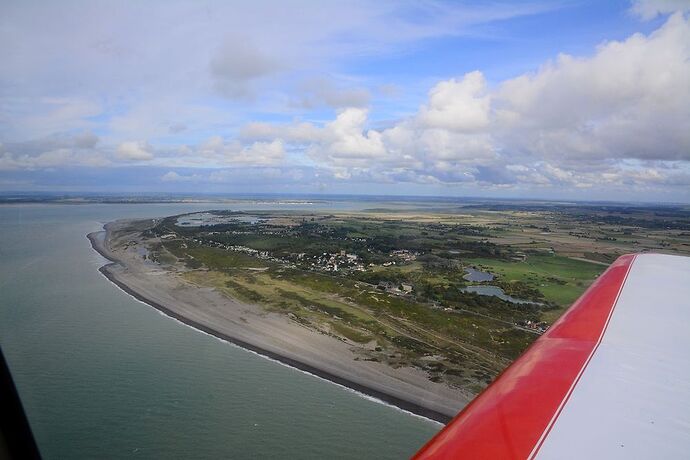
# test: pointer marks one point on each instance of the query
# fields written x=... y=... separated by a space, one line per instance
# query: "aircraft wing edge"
x=512 y=417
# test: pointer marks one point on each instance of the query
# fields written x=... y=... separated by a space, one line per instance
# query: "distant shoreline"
x=365 y=390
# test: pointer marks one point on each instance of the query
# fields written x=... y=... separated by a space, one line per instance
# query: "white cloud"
x=261 y=153
x=298 y=132
x=630 y=100
x=30 y=117
x=137 y=69
x=79 y=141
x=134 y=151
x=51 y=159
x=344 y=140
x=649 y=9
x=461 y=106
x=217 y=150
x=620 y=116
x=76 y=149
x=569 y=123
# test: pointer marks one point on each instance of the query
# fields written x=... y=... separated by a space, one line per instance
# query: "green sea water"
x=102 y=375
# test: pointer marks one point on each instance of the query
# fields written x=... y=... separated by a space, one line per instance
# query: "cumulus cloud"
x=50 y=159
x=619 y=117
x=345 y=140
x=53 y=151
x=575 y=121
x=134 y=151
x=261 y=153
x=461 y=106
x=233 y=152
x=630 y=100
x=414 y=143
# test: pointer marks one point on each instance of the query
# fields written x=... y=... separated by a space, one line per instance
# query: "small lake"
x=496 y=292
x=477 y=276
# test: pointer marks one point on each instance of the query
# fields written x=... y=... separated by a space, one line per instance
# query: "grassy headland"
x=392 y=283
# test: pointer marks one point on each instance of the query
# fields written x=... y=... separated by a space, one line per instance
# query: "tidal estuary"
x=103 y=375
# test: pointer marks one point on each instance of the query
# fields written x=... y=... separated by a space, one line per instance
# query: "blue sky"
x=559 y=99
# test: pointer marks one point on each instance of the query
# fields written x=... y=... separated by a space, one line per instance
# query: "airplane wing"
x=610 y=379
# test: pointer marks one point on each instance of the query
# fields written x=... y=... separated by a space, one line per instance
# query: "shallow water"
x=105 y=376
x=496 y=292
x=477 y=276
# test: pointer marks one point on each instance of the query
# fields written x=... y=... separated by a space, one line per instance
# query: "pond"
x=477 y=276
x=496 y=292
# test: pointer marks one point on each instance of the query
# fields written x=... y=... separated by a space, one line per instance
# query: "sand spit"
x=269 y=334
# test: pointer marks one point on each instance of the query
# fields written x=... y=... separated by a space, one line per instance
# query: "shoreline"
x=395 y=401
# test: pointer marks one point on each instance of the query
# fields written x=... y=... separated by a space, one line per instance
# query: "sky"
x=580 y=100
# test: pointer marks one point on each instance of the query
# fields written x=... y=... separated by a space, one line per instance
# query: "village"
x=340 y=261
x=453 y=268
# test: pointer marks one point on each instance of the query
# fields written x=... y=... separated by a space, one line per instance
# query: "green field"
x=561 y=279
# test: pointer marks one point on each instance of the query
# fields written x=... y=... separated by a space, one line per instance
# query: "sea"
x=104 y=376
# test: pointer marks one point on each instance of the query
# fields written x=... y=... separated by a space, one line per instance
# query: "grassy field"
x=561 y=279
x=403 y=331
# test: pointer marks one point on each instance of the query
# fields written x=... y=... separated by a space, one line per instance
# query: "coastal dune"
x=269 y=334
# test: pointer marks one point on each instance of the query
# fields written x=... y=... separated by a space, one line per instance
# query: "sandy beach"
x=270 y=334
